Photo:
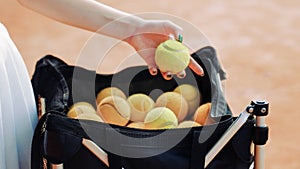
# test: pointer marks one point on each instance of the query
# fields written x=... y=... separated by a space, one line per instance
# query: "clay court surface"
x=256 y=41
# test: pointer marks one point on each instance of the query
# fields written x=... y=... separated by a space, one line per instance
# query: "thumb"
x=196 y=67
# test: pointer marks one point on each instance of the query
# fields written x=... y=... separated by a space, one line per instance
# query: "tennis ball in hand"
x=160 y=118
x=191 y=95
x=138 y=125
x=174 y=101
x=140 y=105
x=172 y=56
x=114 y=110
x=202 y=114
x=109 y=91
x=188 y=124
x=80 y=108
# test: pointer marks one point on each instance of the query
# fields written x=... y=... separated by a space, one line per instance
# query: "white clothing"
x=18 y=115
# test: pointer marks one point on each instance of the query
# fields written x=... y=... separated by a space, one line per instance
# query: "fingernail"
x=181 y=75
x=169 y=75
x=153 y=71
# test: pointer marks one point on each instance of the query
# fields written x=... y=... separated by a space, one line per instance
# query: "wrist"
x=122 y=28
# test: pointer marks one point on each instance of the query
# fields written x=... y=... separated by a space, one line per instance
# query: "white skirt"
x=18 y=115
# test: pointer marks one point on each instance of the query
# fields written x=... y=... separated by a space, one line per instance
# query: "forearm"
x=87 y=14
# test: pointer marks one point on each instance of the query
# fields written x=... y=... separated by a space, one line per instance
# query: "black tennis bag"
x=58 y=139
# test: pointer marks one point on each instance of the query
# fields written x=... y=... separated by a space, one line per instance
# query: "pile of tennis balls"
x=179 y=108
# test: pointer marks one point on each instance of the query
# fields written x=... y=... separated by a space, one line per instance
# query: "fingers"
x=153 y=70
x=153 y=33
x=193 y=65
x=177 y=31
x=161 y=27
x=172 y=28
x=167 y=75
x=181 y=74
x=147 y=55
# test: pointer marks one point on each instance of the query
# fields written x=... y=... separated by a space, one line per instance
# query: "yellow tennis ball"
x=172 y=56
x=160 y=118
x=114 y=110
x=202 y=114
x=174 y=101
x=109 y=91
x=188 y=124
x=138 y=125
x=80 y=108
x=90 y=116
x=191 y=94
x=140 y=105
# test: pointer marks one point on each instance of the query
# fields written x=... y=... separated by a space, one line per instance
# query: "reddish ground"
x=257 y=42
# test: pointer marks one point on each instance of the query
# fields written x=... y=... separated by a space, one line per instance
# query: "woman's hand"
x=143 y=35
x=149 y=35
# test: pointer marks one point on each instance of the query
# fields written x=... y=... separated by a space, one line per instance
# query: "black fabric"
x=198 y=152
x=57 y=138
x=61 y=84
x=208 y=59
x=37 y=161
x=189 y=153
x=261 y=135
x=48 y=82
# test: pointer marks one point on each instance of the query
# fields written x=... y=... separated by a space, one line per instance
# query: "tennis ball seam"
x=156 y=117
x=167 y=123
x=143 y=107
x=121 y=113
x=172 y=59
x=174 y=50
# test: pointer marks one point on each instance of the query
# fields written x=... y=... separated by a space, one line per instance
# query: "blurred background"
x=257 y=43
